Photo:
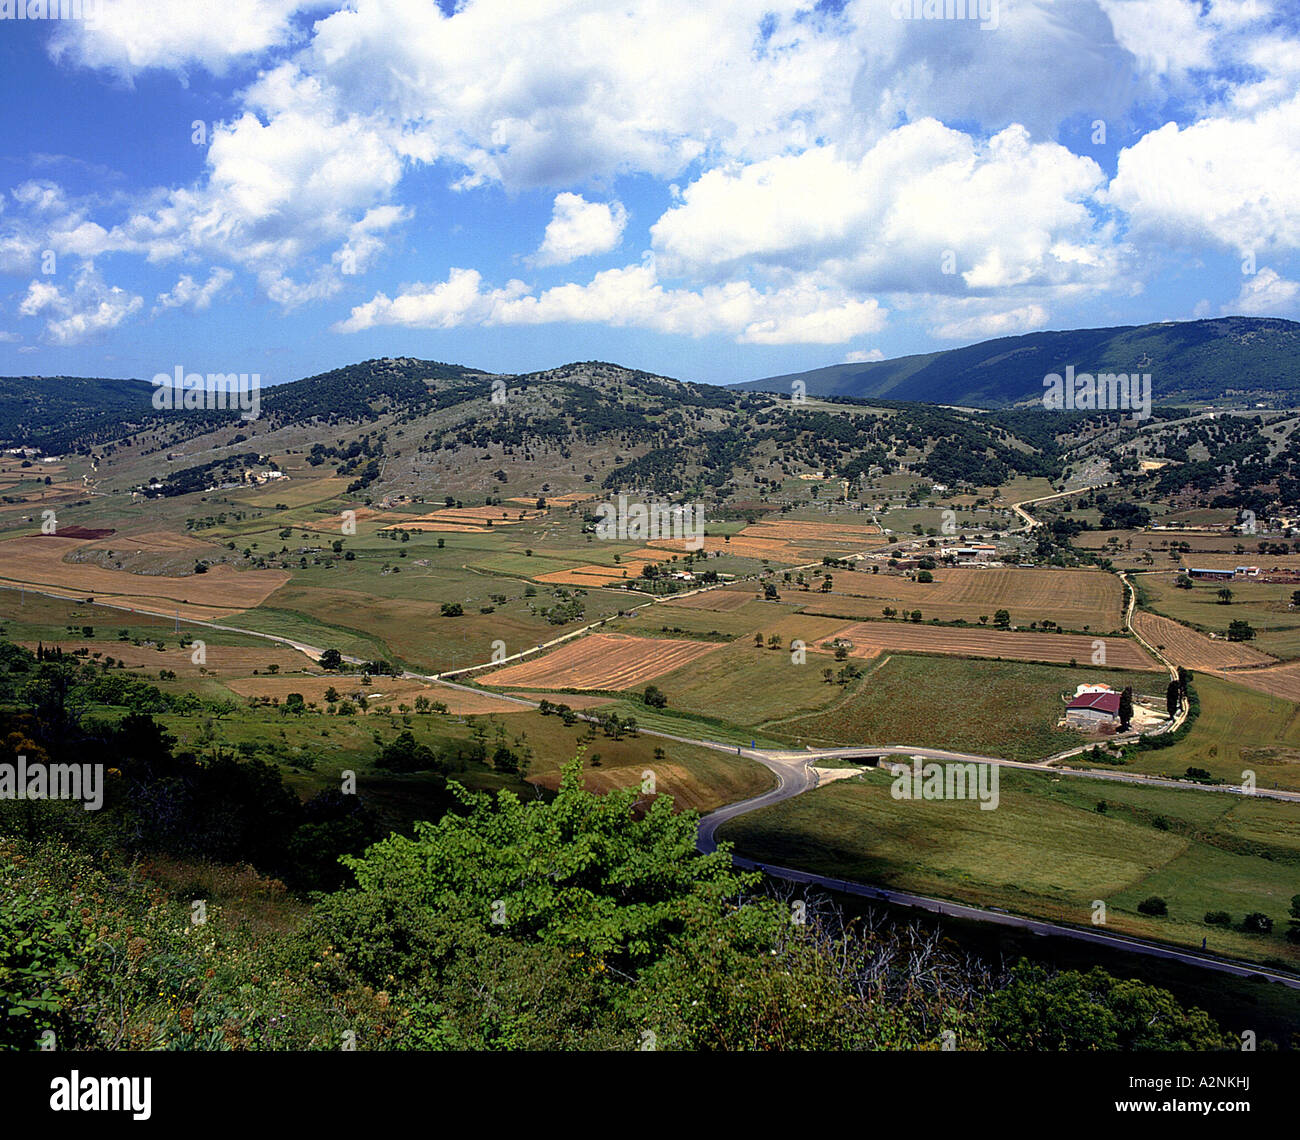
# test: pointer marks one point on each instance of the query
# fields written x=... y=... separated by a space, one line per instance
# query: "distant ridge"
x=1238 y=359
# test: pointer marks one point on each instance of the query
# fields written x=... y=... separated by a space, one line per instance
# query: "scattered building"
x=1204 y=575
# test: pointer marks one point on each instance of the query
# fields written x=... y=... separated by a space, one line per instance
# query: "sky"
x=715 y=190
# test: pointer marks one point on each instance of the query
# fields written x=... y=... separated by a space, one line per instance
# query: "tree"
x=295 y=704
x=1240 y=630
x=1173 y=697
x=1257 y=922
x=331 y=659
x=924 y=576
x=1126 y=707
x=1002 y=618
x=1225 y=596
x=1154 y=905
x=654 y=697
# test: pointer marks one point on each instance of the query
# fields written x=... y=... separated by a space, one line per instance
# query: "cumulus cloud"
x=128 y=36
x=631 y=297
x=1266 y=294
x=864 y=357
x=579 y=228
x=926 y=208
x=88 y=307
x=1230 y=181
x=189 y=294
x=992 y=323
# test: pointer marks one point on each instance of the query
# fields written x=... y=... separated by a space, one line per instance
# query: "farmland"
x=602 y=661
x=1187 y=647
x=1048 y=850
x=1004 y=708
x=870 y=638
x=1086 y=600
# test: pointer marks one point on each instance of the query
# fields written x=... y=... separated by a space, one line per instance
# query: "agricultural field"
x=748 y=685
x=601 y=661
x=1193 y=650
x=873 y=637
x=1238 y=729
x=1004 y=708
x=1263 y=605
x=39 y=562
x=1087 y=600
x=1048 y=851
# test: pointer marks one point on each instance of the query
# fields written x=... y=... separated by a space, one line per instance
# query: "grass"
x=991 y=708
x=1047 y=851
x=1238 y=729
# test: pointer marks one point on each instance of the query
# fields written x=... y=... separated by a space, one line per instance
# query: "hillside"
x=1241 y=360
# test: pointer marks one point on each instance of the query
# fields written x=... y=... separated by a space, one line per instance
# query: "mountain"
x=1242 y=360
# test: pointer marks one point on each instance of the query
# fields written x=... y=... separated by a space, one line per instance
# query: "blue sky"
x=710 y=189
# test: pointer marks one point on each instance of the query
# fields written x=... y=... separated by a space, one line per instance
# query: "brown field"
x=593 y=575
x=568 y=500
x=782 y=541
x=465 y=518
x=298 y=492
x=1187 y=647
x=37 y=562
x=602 y=661
x=161 y=541
x=1276 y=680
x=1072 y=598
x=1054 y=648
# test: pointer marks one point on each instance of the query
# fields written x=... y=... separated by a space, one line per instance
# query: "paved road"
x=1034 y=926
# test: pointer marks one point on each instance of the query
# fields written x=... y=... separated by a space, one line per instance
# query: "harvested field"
x=869 y=638
x=593 y=575
x=1071 y=598
x=602 y=661
x=152 y=541
x=465 y=519
x=1276 y=680
x=1187 y=647
x=38 y=562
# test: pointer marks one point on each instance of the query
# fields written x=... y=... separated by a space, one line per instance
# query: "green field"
x=1047 y=851
x=1262 y=604
x=1237 y=729
x=989 y=708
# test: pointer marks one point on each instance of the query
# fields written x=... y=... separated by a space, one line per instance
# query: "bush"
x=1257 y=922
x=1218 y=918
x=1154 y=905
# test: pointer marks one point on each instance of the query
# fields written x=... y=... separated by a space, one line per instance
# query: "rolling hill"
x=1241 y=360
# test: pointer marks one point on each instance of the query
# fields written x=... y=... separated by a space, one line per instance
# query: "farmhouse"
x=1095 y=710
x=977 y=551
x=1212 y=575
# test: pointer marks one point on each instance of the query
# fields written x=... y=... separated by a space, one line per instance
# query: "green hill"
x=1242 y=360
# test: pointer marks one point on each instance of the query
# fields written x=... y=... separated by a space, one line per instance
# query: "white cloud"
x=992 y=323
x=923 y=200
x=864 y=357
x=631 y=297
x=579 y=228
x=1266 y=294
x=189 y=294
x=90 y=306
x=1164 y=35
x=128 y=36
x=1233 y=182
